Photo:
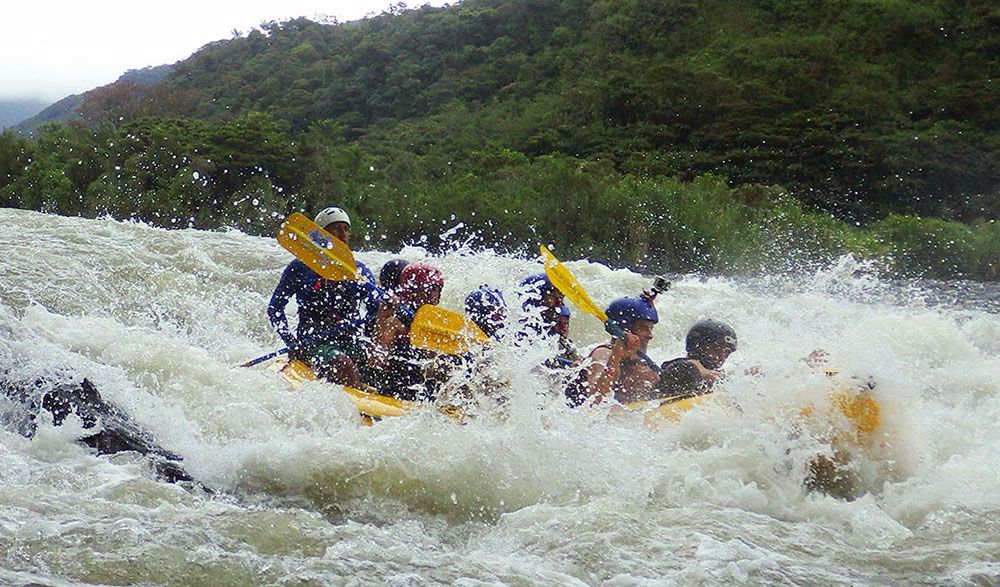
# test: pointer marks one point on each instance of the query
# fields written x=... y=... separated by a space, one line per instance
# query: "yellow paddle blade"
x=444 y=331
x=566 y=282
x=324 y=253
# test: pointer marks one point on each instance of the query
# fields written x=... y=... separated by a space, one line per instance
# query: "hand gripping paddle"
x=433 y=328
x=564 y=280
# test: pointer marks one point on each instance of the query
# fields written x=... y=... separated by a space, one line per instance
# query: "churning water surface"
x=540 y=494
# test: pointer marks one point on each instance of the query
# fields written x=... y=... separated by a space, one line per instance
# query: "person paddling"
x=614 y=370
x=568 y=355
x=323 y=306
x=395 y=367
x=708 y=343
x=547 y=315
x=541 y=301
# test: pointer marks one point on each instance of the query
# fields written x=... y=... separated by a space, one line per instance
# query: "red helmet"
x=419 y=276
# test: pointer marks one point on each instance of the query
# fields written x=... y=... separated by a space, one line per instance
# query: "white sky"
x=50 y=49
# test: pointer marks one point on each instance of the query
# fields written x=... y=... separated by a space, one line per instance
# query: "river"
x=305 y=495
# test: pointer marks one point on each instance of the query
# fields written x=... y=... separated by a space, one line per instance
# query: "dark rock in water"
x=833 y=476
x=116 y=432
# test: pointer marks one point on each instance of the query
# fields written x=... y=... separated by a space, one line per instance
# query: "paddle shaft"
x=306 y=342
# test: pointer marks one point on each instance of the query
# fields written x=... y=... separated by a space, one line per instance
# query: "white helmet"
x=331 y=215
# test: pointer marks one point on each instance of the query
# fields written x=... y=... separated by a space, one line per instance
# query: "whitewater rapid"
x=159 y=319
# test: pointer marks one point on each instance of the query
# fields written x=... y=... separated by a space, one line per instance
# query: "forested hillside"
x=66 y=110
x=861 y=107
x=712 y=135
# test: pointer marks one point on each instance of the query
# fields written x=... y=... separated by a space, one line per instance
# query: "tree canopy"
x=715 y=136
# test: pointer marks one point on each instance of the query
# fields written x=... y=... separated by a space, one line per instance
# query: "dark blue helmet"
x=487 y=308
x=534 y=288
x=484 y=300
x=388 y=277
x=623 y=312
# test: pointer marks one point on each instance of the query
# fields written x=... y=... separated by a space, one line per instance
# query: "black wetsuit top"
x=403 y=375
x=681 y=377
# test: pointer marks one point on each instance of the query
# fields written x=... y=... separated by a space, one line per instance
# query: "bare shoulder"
x=600 y=354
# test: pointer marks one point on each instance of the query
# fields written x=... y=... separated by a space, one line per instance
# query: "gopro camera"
x=660 y=284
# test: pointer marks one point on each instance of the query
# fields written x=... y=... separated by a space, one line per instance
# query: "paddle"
x=564 y=280
x=322 y=252
x=444 y=331
x=306 y=342
x=438 y=330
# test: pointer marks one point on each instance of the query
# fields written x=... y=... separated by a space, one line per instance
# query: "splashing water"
x=545 y=494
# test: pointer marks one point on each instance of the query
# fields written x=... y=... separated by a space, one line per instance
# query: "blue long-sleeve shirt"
x=323 y=304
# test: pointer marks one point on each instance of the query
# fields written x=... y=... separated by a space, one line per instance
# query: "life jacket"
x=681 y=378
x=328 y=304
x=634 y=381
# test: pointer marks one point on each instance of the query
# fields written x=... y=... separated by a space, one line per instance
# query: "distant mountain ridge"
x=65 y=109
x=14 y=111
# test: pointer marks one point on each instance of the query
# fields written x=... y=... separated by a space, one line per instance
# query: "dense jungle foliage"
x=714 y=136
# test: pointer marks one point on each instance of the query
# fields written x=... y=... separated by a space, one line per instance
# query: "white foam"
x=537 y=493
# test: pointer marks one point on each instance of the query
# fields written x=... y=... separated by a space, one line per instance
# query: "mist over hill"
x=13 y=111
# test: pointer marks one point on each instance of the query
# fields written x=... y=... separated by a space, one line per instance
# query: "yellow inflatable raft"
x=669 y=410
x=851 y=406
x=371 y=406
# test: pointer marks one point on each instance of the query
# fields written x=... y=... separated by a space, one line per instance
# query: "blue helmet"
x=624 y=312
x=484 y=300
x=534 y=288
x=487 y=308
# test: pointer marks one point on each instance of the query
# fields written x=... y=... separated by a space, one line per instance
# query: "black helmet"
x=388 y=277
x=707 y=335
